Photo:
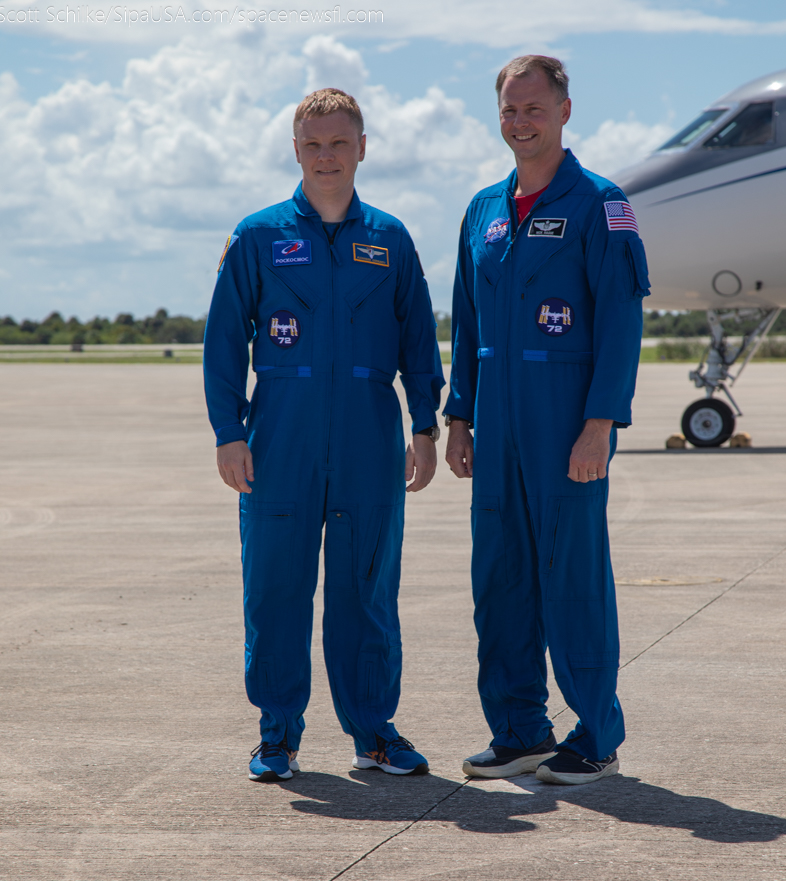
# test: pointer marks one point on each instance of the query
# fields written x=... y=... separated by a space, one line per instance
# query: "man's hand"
x=421 y=462
x=235 y=465
x=590 y=453
x=461 y=448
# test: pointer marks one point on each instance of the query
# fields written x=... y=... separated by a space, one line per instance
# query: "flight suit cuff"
x=230 y=433
x=423 y=420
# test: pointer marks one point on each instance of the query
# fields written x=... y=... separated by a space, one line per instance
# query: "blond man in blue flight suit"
x=547 y=318
x=332 y=294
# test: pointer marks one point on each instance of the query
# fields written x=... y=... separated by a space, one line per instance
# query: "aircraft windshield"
x=750 y=128
x=692 y=131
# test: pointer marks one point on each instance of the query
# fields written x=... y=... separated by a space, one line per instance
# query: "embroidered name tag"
x=370 y=254
x=553 y=227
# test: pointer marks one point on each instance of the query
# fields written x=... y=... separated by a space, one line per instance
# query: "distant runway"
x=125 y=727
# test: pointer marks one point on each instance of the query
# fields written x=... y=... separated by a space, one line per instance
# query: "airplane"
x=711 y=210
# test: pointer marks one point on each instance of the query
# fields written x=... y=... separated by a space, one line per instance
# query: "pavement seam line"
x=400 y=832
x=705 y=606
x=692 y=615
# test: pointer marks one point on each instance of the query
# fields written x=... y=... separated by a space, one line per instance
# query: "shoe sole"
x=271 y=776
x=546 y=775
x=361 y=764
x=524 y=765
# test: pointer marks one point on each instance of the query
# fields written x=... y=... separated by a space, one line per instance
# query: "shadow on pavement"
x=382 y=797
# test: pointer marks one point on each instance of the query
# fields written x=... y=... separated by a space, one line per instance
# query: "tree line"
x=165 y=328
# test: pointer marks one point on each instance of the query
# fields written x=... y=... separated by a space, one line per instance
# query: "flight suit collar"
x=303 y=206
x=564 y=180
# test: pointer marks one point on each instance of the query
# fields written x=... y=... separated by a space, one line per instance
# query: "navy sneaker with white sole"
x=272 y=761
x=569 y=768
x=503 y=761
x=396 y=756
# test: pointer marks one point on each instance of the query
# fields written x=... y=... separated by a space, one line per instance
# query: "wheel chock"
x=741 y=440
x=675 y=442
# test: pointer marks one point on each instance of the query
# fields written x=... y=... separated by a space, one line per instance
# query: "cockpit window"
x=750 y=128
x=696 y=128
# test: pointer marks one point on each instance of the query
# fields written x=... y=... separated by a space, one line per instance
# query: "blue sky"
x=127 y=164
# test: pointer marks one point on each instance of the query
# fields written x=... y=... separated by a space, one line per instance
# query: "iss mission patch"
x=552 y=227
x=290 y=252
x=497 y=230
x=555 y=317
x=284 y=329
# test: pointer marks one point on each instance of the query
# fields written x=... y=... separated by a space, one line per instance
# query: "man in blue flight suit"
x=332 y=294
x=547 y=321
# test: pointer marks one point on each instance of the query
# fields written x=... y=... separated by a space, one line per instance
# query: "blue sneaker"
x=396 y=756
x=272 y=761
x=569 y=767
x=504 y=761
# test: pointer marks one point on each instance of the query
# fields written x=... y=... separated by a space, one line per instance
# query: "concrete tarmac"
x=125 y=727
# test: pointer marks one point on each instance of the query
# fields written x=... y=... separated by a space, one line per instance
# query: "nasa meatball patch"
x=553 y=227
x=283 y=329
x=498 y=229
x=290 y=252
x=554 y=317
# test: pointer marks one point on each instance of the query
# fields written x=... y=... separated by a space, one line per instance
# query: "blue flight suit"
x=331 y=324
x=547 y=322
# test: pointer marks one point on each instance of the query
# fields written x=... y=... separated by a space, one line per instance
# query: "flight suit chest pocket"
x=285 y=326
x=373 y=323
x=630 y=269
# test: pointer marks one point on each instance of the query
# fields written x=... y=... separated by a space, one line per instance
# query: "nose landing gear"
x=710 y=422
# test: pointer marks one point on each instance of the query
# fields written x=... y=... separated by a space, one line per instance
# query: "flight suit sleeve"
x=618 y=280
x=464 y=335
x=419 y=359
x=229 y=330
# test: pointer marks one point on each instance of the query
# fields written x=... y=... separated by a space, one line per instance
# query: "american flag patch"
x=619 y=215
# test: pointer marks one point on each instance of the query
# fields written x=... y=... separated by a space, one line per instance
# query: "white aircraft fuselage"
x=711 y=205
x=711 y=214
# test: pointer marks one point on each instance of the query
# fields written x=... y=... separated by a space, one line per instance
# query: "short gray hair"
x=524 y=64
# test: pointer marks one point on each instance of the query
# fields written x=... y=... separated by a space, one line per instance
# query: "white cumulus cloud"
x=120 y=198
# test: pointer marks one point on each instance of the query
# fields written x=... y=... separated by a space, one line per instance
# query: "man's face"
x=329 y=149
x=532 y=116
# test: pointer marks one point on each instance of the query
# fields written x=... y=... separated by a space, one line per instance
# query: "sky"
x=131 y=148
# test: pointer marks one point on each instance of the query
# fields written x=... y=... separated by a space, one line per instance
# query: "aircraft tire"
x=708 y=423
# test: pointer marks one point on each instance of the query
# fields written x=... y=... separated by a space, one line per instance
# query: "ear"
x=362 y=154
x=566 y=108
x=297 y=152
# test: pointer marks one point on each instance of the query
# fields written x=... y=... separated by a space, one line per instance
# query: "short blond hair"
x=524 y=64
x=323 y=102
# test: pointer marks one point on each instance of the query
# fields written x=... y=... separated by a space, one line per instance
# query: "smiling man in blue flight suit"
x=547 y=321
x=332 y=294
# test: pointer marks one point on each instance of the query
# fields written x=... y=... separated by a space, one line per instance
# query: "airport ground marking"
x=400 y=831
x=693 y=615
x=705 y=606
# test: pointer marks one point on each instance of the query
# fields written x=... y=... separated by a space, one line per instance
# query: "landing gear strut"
x=710 y=422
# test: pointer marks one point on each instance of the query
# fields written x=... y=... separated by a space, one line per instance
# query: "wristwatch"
x=432 y=432
x=449 y=419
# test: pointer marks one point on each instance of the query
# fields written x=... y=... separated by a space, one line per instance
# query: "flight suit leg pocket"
x=267 y=533
x=573 y=549
x=489 y=558
x=379 y=565
x=339 y=552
